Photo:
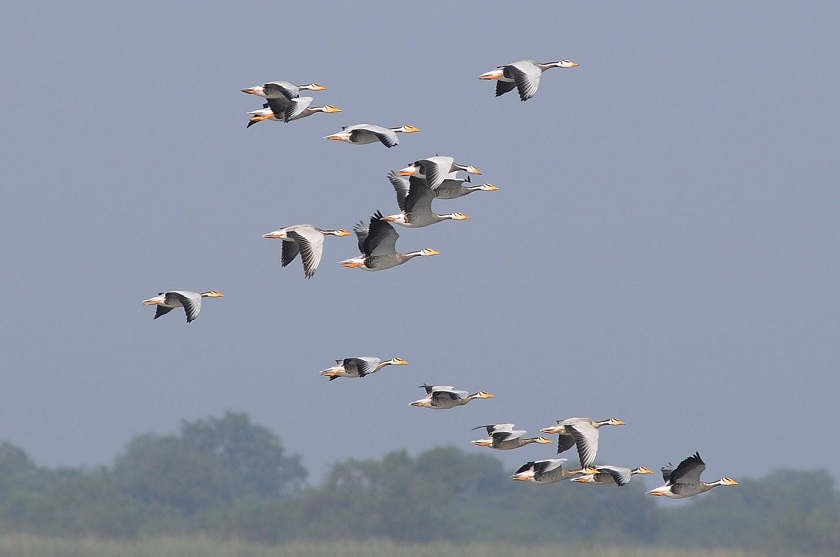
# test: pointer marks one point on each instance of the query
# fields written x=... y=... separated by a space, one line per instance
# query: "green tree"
x=251 y=454
x=163 y=470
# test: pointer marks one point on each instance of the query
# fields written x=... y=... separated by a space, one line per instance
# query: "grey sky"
x=663 y=248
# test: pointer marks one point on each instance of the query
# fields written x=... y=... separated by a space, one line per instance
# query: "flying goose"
x=443 y=397
x=547 y=471
x=377 y=244
x=451 y=188
x=287 y=110
x=359 y=366
x=416 y=206
x=582 y=432
x=610 y=474
x=435 y=169
x=684 y=480
x=305 y=239
x=277 y=89
x=362 y=134
x=504 y=437
x=523 y=75
x=190 y=301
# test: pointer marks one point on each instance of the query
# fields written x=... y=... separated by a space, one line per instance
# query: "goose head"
x=212 y=294
x=339 y=232
x=407 y=128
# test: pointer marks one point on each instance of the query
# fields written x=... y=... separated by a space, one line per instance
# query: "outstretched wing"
x=526 y=75
x=311 y=245
x=290 y=251
x=401 y=187
x=296 y=107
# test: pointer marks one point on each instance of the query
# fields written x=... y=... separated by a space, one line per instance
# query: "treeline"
x=228 y=478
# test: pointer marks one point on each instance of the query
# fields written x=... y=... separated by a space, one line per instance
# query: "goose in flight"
x=281 y=108
x=547 y=471
x=416 y=205
x=362 y=134
x=504 y=437
x=523 y=75
x=582 y=432
x=443 y=397
x=190 y=301
x=451 y=188
x=435 y=169
x=277 y=89
x=377 y=244
x=610 y=475
x=305 y=239
x=359 y=366
x=684 y=480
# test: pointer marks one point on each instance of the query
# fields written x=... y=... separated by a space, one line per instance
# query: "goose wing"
x=190 y=301
x=281 y=89
x=688 y=471
x=432 y=388
x=455 y=395
x=361 y=365
x=310 y=242
x=361 y=229
x=621 y=475
x=496 y=428
x=526 y=76
x=564 y=443
x=503 y=87
x=547 y=465
x=435 y=169
x=586 y=439
x=504 y=435
x=289 y=252
x=278 y=106
x=387 y=137
x=401 y=187
x=296 y=107
x=527 y=466
x=666 y=472
x=162 y=310
x=381 y=238
x=420 y=196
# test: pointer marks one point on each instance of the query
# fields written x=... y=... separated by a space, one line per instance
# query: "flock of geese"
x=416 y=187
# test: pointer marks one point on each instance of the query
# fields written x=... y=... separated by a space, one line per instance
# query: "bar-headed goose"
x=306 y=239
x=523 y=75
x=359 y=366
x=610 y=475
x=504 y=437
x=377 y=244
x=444 y=397
x=362 y=134
x=582 y=432
x=684 y=480
x=190 y=301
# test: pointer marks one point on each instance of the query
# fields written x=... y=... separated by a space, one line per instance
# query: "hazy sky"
x=663 y=248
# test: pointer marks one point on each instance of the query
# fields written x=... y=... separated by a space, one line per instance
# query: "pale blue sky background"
x=663 y=249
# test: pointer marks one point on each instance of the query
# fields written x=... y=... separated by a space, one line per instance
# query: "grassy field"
x=34 y=546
